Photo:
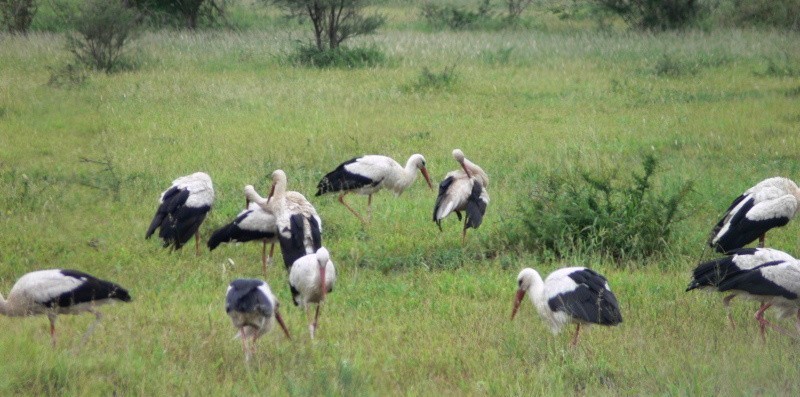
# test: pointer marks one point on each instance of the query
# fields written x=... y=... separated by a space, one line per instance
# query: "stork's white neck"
x=409 y=174
x=536 y=294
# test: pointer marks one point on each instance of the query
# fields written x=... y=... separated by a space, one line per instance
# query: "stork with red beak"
x=369 y=174
x=312 y=277
x=576 y=295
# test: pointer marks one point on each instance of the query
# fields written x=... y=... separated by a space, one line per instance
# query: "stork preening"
x=60 y=291
x=312 y=277
x=463 y=190
x=298 y=224
x=252 y=224
x=253 y=310
x=771 y=203
x=182 y=209
x=570 y=295
x=770 y=277
x=369 y=174
x=709 y=275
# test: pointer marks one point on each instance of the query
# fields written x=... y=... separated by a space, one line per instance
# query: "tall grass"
x=414 y=312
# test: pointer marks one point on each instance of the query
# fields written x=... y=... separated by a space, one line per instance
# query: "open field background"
x=413 y=312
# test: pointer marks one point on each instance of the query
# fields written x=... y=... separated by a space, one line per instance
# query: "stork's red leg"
x=369 y=208
x=762 y=322
x=341 y=200
x=316 y=320
x=761 y=240
x=575 y=338
x=264 y=256
x=197 y=243
x=52 y=318
x=727 y=302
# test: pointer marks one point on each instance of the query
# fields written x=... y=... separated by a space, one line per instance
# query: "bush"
x=17 y=15
x=103 y=29
x=783 y=14
x=428 y=80
x=581 y=213
x=457 y=17
x=340 y=57
x=653 y=14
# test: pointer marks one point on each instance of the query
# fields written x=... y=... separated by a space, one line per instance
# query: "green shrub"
x=103 y=29
x=429 y=80
x=457 y=17
x=653 y=14
x=783 y=14
x=579 y=213
x=17 y=15
x=340 y=57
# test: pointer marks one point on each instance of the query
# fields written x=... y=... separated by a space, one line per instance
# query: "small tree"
x=17 y=15
x=187 y=12
x=516 y=7
x=653 y=14
x=333 y=21
x=103 y=28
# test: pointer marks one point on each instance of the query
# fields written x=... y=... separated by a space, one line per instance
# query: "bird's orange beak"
x=283 y=325
x=427 y=177
x=517 y=302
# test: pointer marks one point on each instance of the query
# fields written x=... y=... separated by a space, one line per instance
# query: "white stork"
x=463 y=190
x=60 y=291
x=770 y=277
x=182 y=208
x=570 y=295
x=312 y=277
x=771 y=203
x=369 y=174
x=253 y=308
x=709 y=275
x=252 y=224
x=299 y=225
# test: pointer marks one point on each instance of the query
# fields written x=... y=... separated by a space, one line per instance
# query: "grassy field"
x=414 y=312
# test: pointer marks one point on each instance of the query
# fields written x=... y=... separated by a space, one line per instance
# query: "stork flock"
x=572 y=295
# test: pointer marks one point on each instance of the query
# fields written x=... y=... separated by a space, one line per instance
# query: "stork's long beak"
x=427 y=177
x=517 y=301
x=322 y=285
x=283 y=325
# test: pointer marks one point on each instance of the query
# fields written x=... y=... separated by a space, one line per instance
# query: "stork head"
x=525 y=280
x=249 y=195
x=459 y=156
x=419 y=162
x=278 y=182
x=323 y=257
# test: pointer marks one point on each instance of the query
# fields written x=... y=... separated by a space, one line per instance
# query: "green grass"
x=414 y=312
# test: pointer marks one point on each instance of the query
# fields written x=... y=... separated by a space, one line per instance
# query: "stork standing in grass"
x=770 y=277
x=369 y=174
x=298 y=224
x=709 y=275
x=570 y=295
x=253 y=310
x=252 y=224
x=463 y=190
x=60 y=291
x=771 y=203
x=312 y=277
x=182 y=209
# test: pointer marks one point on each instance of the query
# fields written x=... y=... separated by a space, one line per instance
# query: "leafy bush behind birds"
x=17 y=15
x=103 y=29
x=574 y=213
